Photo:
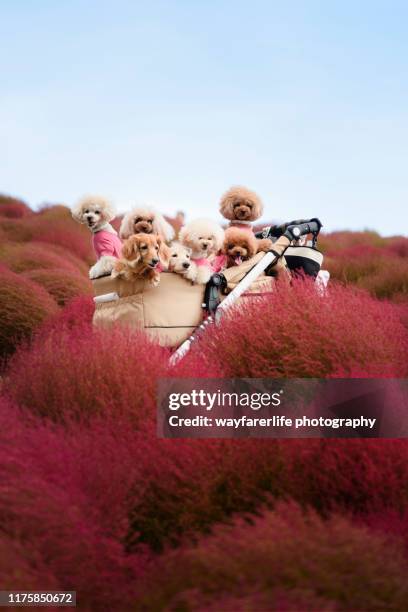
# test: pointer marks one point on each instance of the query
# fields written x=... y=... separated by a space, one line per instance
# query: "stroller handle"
x=295 y=231
x=305 y=226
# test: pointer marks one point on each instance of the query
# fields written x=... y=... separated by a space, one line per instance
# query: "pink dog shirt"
x=219 y=263
x=107 y=243
x=201 y=261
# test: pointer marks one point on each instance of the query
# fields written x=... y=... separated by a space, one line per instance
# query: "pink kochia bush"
x=80 y=372
x=34 y=256
x=13 y=208
x=60 y=284
x=70 y=238
x=359 y=477
x=78 y=312
x=63 y=509
x=282 y=560
x=381 y=271
x=297 y=333
x=24 y=306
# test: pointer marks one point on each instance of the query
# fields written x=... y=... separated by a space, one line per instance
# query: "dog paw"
x=103 y=267
x=203 y=275
x=264 y=244
x=93 y=272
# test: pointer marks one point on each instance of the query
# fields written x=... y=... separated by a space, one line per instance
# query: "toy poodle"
x=145 y=220
x=143 y=256
x=204 y=237
x=240 y=245
x=96 y=212
x=241 y=206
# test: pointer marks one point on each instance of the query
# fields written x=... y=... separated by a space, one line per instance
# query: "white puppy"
x=204 y=237
x=145 y=220
x=96 y=212
x=180 y=261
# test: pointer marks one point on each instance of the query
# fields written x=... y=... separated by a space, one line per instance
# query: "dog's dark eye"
x=97 y=212
x=150 y=221
x=230 y=246
x=157 y=248
x=86 y=212
x=188 y=256
x=138 y=219
x=174 y=255
x=143 y=247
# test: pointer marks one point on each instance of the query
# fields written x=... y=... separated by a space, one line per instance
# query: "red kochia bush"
x=71 y=238
x=60 y=284
x=297 y=333
x=33 y=256
x=381 y=271
x=13 y=208
x=335 y=242
x=55 y=225
x=80 y=372
x=63 y=509
x=16 y=230
x=283 y=560
x=398 y=245
x=359 y=477
x=24 y=305
x=78 y=312
x=185 y=486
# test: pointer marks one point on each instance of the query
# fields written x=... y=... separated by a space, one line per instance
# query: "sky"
x=170 y=103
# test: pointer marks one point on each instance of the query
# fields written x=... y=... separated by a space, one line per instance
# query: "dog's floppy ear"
x=164 y=252
x=228 y=235
x=218 y=237
x=77 y=212
x=162 y=227
x=126 y=228
x=184 y=236
x=130 y=248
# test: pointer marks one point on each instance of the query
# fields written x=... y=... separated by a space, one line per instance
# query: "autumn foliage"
x=92 y=500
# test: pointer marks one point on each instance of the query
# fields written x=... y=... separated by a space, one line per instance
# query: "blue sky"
x=172 y=102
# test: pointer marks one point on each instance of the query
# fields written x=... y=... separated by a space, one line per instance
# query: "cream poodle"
x=145 y=220
x=204 y=237
x=96 y=212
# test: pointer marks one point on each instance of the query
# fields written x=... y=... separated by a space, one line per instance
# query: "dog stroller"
x=172 y=312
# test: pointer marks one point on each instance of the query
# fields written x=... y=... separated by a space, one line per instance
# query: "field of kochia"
x=91 y=500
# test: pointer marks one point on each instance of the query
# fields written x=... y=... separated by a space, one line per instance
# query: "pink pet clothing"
x=107 y=242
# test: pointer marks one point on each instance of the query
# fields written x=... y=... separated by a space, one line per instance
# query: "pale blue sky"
x=172 y=102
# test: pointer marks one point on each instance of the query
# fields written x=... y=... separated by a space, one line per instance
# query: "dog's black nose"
x=155 y=261
x=186 y=265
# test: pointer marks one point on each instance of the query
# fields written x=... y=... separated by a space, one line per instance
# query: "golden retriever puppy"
x=241 y=206
x=143 y=256
x=181 y=263
x=145 y=220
